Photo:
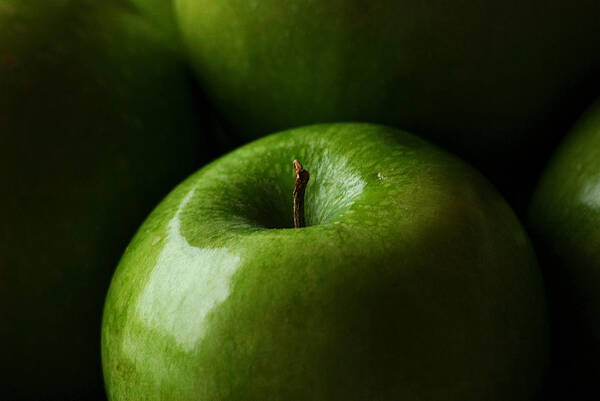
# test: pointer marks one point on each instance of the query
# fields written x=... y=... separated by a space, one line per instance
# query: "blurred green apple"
x=484 y=78
x=98 y=119
x=565 y=222
x=412 y=280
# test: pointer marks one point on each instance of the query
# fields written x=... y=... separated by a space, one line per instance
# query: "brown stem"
x=302 y=177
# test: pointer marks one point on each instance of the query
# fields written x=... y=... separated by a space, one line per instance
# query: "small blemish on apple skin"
x=9 y=62
x=379 y=176
x=7 y=9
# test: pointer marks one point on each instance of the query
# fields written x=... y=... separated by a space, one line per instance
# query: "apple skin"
x=98 y=121
x=564 y=220
x=412 y=280
x=482 y=78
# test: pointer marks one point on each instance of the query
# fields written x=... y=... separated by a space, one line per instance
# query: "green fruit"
x=413 y=280
x=565 y=220
x=484 y=78
x=97 y=121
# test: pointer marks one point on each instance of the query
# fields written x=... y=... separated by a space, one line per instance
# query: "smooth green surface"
x=97 y=122
x=412 y=281
x=484 y=78
x=565 y=219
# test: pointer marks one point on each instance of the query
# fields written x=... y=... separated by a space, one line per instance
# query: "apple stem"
x=302 y=177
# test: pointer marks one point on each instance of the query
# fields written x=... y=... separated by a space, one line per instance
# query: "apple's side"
x=565 y=222
x=97 y=122
x=484 y=78
x=412 y=280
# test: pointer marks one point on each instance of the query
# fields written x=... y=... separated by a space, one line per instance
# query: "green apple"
x=482 y=77
x=565 y=221
x=98 y=120
x=412 y=280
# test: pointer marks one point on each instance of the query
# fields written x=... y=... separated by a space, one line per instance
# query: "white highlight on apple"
x=590 y=193
x=187 y=278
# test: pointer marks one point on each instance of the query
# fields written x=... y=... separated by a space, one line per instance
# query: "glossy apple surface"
x=97 y=123
x=412 y=280
x=481 y=77
x=565 y=221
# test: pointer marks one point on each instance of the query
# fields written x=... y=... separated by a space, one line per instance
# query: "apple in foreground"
x=565 y=224
x=412 y=279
